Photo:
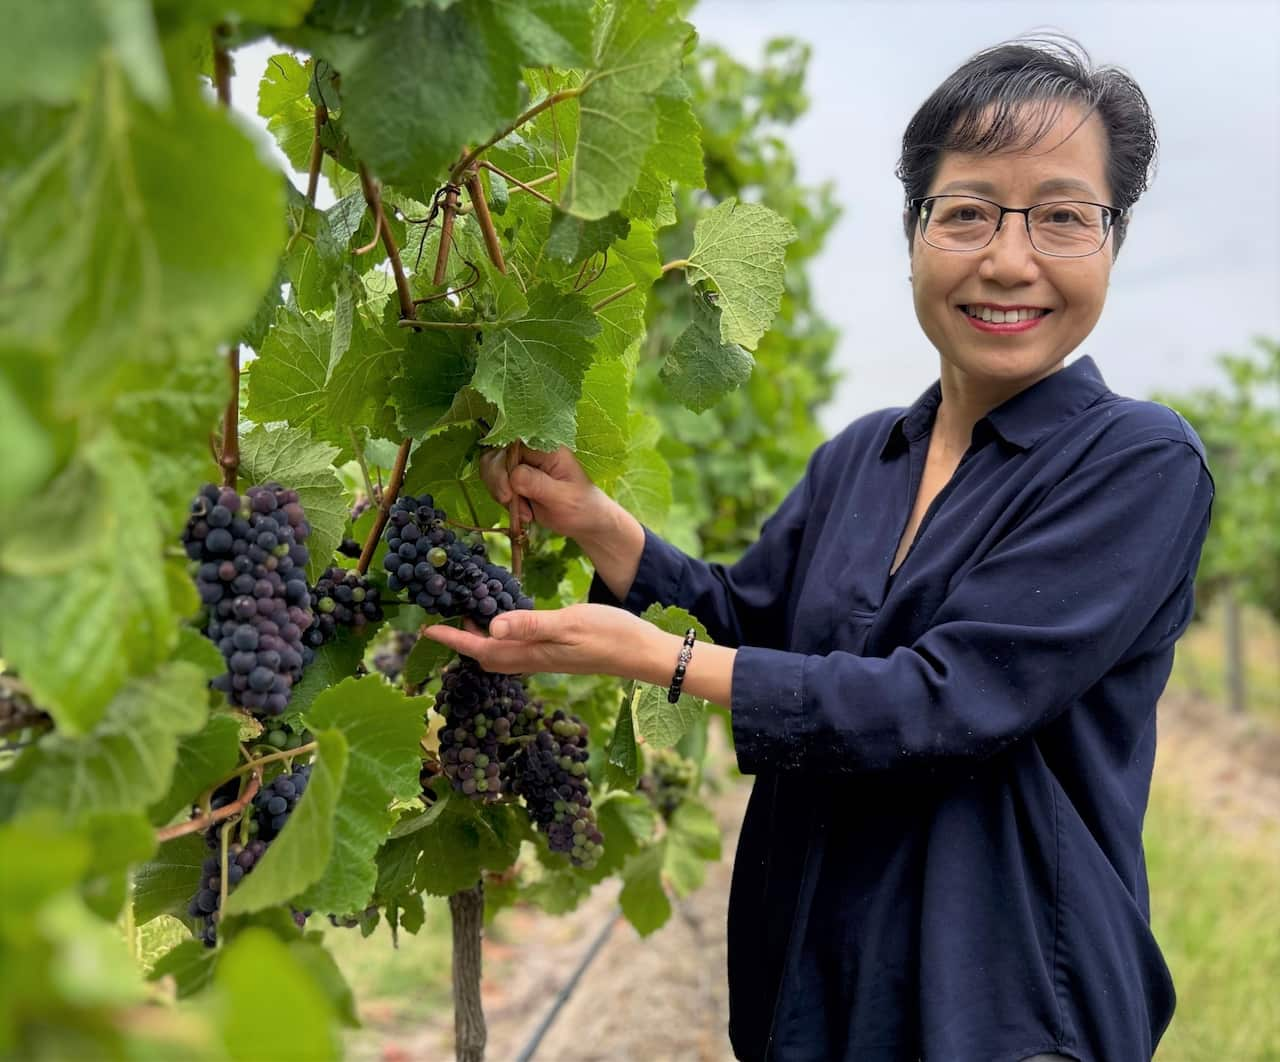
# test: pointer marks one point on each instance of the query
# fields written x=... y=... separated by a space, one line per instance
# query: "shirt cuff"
x=657 y=578
x=767 y=709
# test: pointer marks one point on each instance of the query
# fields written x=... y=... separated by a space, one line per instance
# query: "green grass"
x=1216 y=914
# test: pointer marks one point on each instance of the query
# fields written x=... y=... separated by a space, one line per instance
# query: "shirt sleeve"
x=739 y=603
x=1025 y=632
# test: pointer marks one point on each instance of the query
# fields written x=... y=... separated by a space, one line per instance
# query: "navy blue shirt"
x=942 y=855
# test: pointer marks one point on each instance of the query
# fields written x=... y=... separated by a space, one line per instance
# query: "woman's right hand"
x=554 y=490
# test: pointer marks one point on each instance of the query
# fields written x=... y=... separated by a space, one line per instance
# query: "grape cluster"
x=670 y=779
x=274 y=803
x=441 y=573
x=270 y=810
x=550 y=773
x=479 y=709
x=390 y=658
x=249 y=564
x=206 y=902
x=341 y=596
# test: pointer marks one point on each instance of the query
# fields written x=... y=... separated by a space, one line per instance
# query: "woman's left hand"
x=577 y=640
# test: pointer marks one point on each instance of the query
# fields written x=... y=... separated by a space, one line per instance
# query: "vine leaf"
x=548 y=32
x=297 y=858
x=639 y=47
x=297 y=989
x=603 y=427
x=623 y=755
x=203 y=757
x=437 y=467
x=573 y=239
x=167 y=881
x=126 y=762
x=77 y=623
x=284 y=102
x=644 y=489
x=660 y=723
x=532 y=369
x=334 y=661
x=287 y=379
x=291 y=457
x=701 y=368
x=190 y=964
x=741 y=249
x=692 y=839
x=382 y=727
x=676 y=155
x=107 y=265
x=461 y=96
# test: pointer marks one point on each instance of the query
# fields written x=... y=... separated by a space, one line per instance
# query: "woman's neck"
x=966 y=399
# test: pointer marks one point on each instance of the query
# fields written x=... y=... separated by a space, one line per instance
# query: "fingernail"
x=498 y=629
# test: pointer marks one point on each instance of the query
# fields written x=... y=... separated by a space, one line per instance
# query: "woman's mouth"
x=1003 y=321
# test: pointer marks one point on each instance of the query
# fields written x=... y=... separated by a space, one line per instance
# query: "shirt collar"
x=1022 y=420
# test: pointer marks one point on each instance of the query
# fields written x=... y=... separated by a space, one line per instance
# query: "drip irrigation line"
x=562 y=997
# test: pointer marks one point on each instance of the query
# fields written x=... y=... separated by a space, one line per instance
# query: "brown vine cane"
x=476 y=191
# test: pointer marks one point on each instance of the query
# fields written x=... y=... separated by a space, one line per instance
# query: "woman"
x=943 y=655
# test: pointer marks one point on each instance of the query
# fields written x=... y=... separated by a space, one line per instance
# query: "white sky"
x=1191 y=280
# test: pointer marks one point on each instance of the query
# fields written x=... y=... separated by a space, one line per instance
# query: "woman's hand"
x=554 y=490
x=577 y=640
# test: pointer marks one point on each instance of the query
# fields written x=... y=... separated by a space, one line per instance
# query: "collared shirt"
x=942 y=855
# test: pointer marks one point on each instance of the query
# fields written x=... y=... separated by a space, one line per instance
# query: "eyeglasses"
x=1068 y=229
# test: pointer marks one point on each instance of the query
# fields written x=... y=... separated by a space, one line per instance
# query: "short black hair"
x=1053 y=68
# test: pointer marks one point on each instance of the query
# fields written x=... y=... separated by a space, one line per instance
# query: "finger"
x=522 y=624
x=463 y=642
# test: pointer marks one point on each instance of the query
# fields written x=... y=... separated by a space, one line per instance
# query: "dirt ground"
x=666 y=998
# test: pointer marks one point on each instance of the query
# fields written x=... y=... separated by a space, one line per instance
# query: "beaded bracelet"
x=677 y=680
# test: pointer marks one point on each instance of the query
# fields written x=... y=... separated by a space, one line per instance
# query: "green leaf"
x=382 y=728
x=603 y=439
x=643 y=899
x=202 y=759
x=252 y=1031
x=315 y=257
x=359 y=387
x=320 y=964
x=639 y=47
x=49 y=49
x=548 y=32
x=28 y=451
x=463 y=842
x=701 y=368
x=107 y=266
x=623 y=754
x=677 y=150
x=167 y=881
x=627 y=821
x=284 y=103
x=573 y=239
x=438 y=467
x=295 y=460
x=334 y=661
x=435 y=365
x=28 y=882
x=190 y=964
x=692 y=840
x=424 y=660
x=76 y=633
x=532 y=370
x=297 y=858
x=126 y=762
x=287 y=379
x=644 y=489
x=741 y=249
x=456 y=72
x=631 y=261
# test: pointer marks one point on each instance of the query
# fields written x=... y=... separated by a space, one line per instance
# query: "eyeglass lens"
x=1070 y=229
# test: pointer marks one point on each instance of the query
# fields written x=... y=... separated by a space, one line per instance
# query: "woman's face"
x=1009 y=271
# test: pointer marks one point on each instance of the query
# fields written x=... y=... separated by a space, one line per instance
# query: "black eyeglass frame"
x=1113 y=215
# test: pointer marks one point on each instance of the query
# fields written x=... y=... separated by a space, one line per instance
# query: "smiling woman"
x=943 y=654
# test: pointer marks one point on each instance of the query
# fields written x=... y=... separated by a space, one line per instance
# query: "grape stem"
x=446 y=232
x=317 y=154
x=470 y=505
x=384 y=507
x=475 y=190
x=224 y=834
x=202 y=822
x=364 y=468
x=229 y=459
x=679 y=263
x=519 y=183
x=470 y=157
x=253 y=765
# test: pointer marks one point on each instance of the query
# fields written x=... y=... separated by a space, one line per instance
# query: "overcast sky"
x=1191 y=279
x=1200 y=270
